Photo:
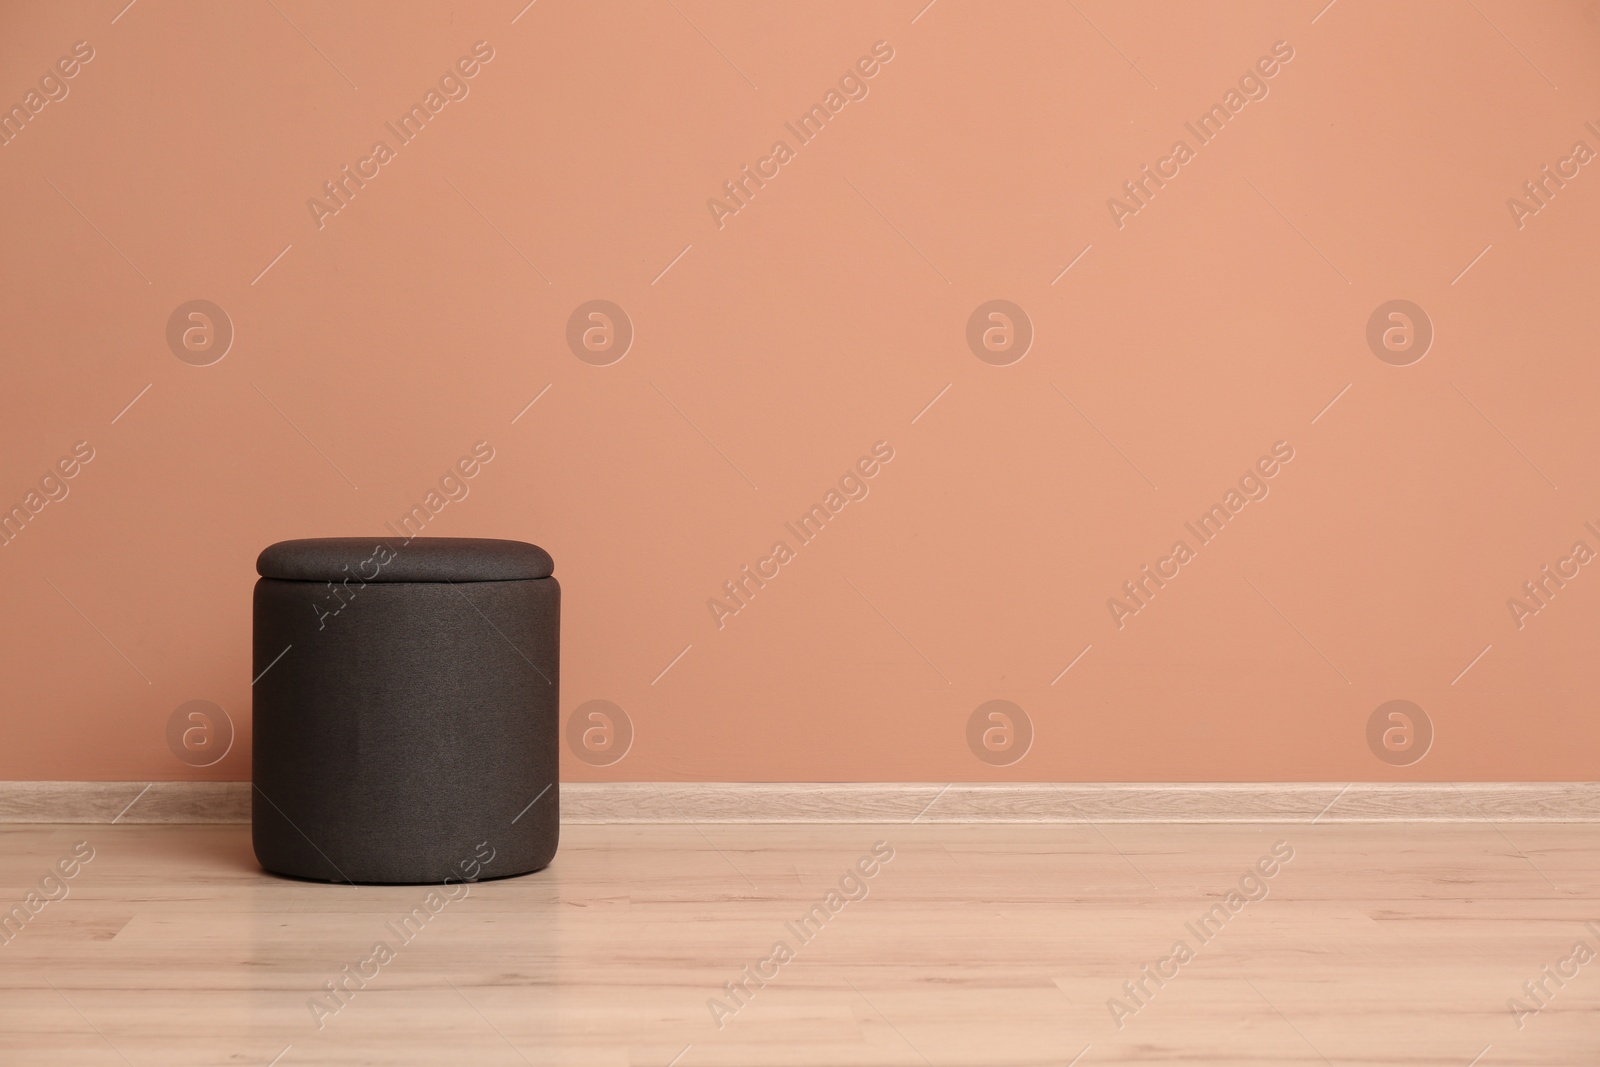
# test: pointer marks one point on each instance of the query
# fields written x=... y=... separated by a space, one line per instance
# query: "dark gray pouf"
x=410 y=732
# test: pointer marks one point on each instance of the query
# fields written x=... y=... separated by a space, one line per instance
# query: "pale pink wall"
x=776 y=345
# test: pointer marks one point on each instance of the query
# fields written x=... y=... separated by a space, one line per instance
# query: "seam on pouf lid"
x=395 y=559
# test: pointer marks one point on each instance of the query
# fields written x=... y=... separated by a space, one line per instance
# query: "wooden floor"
x=1373 y=944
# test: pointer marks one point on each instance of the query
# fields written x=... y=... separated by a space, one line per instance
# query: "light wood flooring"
x=975 y=944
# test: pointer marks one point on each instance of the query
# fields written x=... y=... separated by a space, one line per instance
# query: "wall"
x=1217 y=320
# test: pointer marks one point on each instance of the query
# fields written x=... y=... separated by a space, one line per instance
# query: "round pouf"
x=406 y=715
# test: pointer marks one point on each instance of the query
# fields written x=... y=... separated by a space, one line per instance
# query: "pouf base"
x=411 y=739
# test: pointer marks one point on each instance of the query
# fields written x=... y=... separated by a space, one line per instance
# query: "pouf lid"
x=395 y=559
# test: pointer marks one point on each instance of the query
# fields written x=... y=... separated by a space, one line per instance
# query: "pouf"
x=406 y=714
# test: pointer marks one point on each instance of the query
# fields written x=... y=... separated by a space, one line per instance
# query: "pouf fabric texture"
x=406 y=720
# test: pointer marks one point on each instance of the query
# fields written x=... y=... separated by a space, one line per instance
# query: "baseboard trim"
x=124 y=802
x=890 y=802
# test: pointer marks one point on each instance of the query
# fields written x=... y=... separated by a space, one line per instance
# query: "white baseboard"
x=890 y=802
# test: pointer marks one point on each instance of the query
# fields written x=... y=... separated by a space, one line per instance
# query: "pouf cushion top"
x=395 y=559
